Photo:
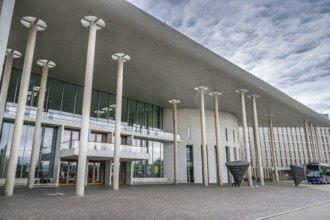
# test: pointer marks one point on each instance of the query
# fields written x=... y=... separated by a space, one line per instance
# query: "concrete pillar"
x=11 y=54
x=37 y=127
x=217 y=134
x=120 y=58
x=313 y=147
x=272 y=145
x=245 y=132
x=175 y=141
x=256 y=139
x=34 y=25
x=94 y=24
x=57 y=160
x=6 y=12
x=317 y=136
x=310 y=158
x=201 y=90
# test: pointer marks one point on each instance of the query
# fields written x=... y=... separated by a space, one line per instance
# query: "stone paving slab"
x=183 y=201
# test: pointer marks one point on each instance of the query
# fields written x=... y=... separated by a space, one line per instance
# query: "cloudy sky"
x=285 y=43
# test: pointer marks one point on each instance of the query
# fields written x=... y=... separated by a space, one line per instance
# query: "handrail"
x=74 y=144
x=54 y=115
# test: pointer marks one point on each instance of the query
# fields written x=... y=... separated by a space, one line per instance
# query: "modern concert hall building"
x=100 y=92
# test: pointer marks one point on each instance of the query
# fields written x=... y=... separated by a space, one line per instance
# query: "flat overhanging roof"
x=164 y=63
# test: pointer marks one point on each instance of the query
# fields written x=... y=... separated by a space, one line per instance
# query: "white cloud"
x=285 y=43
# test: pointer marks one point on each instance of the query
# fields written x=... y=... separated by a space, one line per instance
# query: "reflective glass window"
x=14 y=85
x=55 y=94
x=124 y=110
x=148 y=115
x=69 y=138
x=47 y=153
x=103 y=105
x=156 y=117
x=5 y=143
x=132 y=117
x=69 y=91
x=141 y=114
x=94 y=104
x=112 y=107
x=33 y=92
x=78 y=100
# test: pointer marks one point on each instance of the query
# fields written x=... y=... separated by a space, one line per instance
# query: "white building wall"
x=191 y=117
x=290 y=147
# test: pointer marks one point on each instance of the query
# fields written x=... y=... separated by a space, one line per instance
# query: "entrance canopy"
x=164 y=63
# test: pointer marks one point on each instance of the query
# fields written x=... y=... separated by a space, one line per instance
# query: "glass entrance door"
x=68 y=173
x=96 y=172
x=190 y=164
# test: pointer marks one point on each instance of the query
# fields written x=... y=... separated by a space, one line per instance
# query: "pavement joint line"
x=293 y=210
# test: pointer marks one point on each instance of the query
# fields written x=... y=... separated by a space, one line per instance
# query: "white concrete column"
x=11 y=54
x=308 y=142
x=120 y=58
x=256 y=139
x=245 y=132
x=272 y=145
x=6 y=12
x=34 y=25
x=94 y=24
x=317 y=136
x=37 y=127
x=175 y=141
x=217 y=133
x=201 y=90
x=314 y=147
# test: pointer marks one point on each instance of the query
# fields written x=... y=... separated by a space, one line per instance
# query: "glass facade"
x=46 y=154
x=65 y=99
x=153 y=167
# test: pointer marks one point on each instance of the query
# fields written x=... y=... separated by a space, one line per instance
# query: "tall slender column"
x=308 y=142
x=256 y=138
x=201 y=90
x=217 y=133
x=313 y=148
x=94 y=24
x=318 y=143
x=6 y=12
x=11 y=54
x=175 y=141
x=37 y=127
x=120 y=58
x=246 y=141
x=272 y=145
x=34 y=25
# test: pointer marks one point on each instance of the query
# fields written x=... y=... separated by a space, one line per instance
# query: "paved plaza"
x=183 y=201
